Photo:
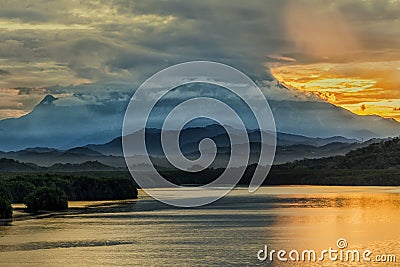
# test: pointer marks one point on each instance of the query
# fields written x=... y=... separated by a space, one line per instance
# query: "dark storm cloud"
x=369 y=11
x=238 y=33
x=25 y=14
x=112 y=40
x=49 y=43
x=199 y=10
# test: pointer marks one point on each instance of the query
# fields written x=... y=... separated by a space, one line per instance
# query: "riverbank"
x=20 y=212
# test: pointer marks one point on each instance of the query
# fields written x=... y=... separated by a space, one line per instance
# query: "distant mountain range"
x=62 y=125
x=11 y=165
x=381 y=155
x=289 y=147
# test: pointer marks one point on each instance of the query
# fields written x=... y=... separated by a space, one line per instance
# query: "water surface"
x=228 y=232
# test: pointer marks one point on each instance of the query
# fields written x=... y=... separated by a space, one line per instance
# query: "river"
x=229 y=232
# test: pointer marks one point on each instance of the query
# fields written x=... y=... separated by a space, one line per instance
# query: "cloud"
x=128 y=40
x=319 y=30
x=14 y=104
x=278 y=58
x=115 y=45
x=353 y=86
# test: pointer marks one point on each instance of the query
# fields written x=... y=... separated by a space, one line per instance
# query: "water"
x=229 y=232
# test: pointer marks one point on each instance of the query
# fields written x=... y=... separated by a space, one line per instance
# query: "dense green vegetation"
x=383 y=155
x=376 y=164
x=12 y=165
x=5 y=190
x=46 y=199
x=76 y=186
x=282 y=175
x=6 y=210
x=322 y=176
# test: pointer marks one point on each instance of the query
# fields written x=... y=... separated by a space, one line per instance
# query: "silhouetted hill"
x=285 y=139
x=47 y=157
x=82 y=151
x=86 y=166
x=190 y=138
x=10 y=165
x=381 y=155
x=290 y=147
x=114 y=147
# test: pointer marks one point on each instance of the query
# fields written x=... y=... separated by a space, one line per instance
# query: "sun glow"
x=363 y=88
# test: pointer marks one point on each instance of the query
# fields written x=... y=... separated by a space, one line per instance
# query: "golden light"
x=363 y=88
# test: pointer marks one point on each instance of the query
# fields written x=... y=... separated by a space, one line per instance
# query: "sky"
x=346 y=52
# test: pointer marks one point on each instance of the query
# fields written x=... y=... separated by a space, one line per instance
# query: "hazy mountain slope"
x=63 y=124
x=11 y=165
x=60 y=125
x=192 y=136
x=381 y=155
x=321 y=119
x=77 y=155
x=289 y=147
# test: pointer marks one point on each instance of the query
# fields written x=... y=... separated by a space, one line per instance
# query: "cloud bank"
x=59 y=46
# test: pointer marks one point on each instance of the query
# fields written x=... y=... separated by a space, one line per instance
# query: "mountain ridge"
x=11 y=165
x=69 y=122
x=289 y=147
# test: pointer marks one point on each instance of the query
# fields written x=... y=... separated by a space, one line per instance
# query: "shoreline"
x=19 y=213
x=75 y=207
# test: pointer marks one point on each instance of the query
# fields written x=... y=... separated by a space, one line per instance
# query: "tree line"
x=52 y=191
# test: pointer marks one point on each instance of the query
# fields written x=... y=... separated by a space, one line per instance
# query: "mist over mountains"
x=289 y=148
x=56 y=123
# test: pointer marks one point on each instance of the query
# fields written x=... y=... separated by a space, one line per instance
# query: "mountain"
x=47 y=157
x=381 y=155
x=82 y=151
x=64 y=123
x=112 y=148
x=190 y=138
x=85 y=166
x=322 y=119
x=289 y=148
x=58 y=123
x=11 y=165
x=285 y=139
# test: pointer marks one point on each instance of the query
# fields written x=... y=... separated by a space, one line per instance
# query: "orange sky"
x=349 y=63
x=363 y=88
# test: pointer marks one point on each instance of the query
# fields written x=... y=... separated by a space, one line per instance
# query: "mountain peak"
x=48 y=100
